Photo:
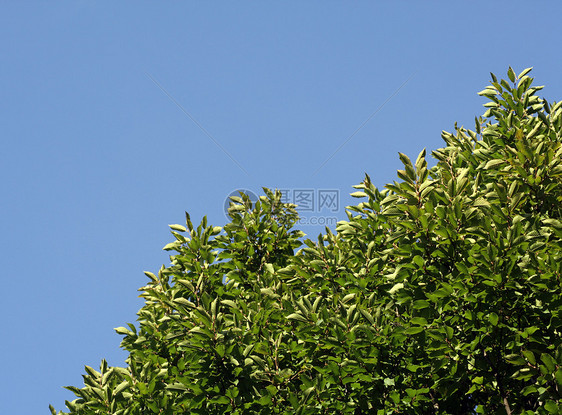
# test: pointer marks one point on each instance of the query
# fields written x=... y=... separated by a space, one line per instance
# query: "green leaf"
x=178 y=228
x=171 y=246
x=419 y=321
x=420 y=161
x=413 y=330
x=367 y=315
x=270 y=268
x=493 y=163
x=122 y=330
x=558 y=376
x=419 y=261
x=389 y=382
x=151 y=276
x=421 y=304
x=121 y=387
x=396 y=287
x=412 y=368
x=478 y=380
x=306 y=395
x=549 y=362
x=348 y=297
x=511 y=74
x=529 y=356
x=265 y=400
x=553 y=222
x=184 y=302
x=298 y=317
x=405 y=159
x=177 y=387
x=92 y=372
x=551 y=407
x=524 y=72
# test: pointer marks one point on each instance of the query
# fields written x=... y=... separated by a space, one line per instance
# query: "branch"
x=506 y=405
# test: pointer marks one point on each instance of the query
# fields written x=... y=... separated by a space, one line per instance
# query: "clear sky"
x=117 y=117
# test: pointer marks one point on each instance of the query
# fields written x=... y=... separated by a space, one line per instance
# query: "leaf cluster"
x=440 y=293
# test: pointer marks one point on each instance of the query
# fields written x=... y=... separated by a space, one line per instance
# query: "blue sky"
x=98 y=157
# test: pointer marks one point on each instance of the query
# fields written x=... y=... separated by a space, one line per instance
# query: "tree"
x=439 y=294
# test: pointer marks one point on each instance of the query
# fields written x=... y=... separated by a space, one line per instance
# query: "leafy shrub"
x=440 y=293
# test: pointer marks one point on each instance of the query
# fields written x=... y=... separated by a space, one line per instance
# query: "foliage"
x=439 y=294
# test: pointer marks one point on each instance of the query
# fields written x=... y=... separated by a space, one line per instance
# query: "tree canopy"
x=440 y=293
